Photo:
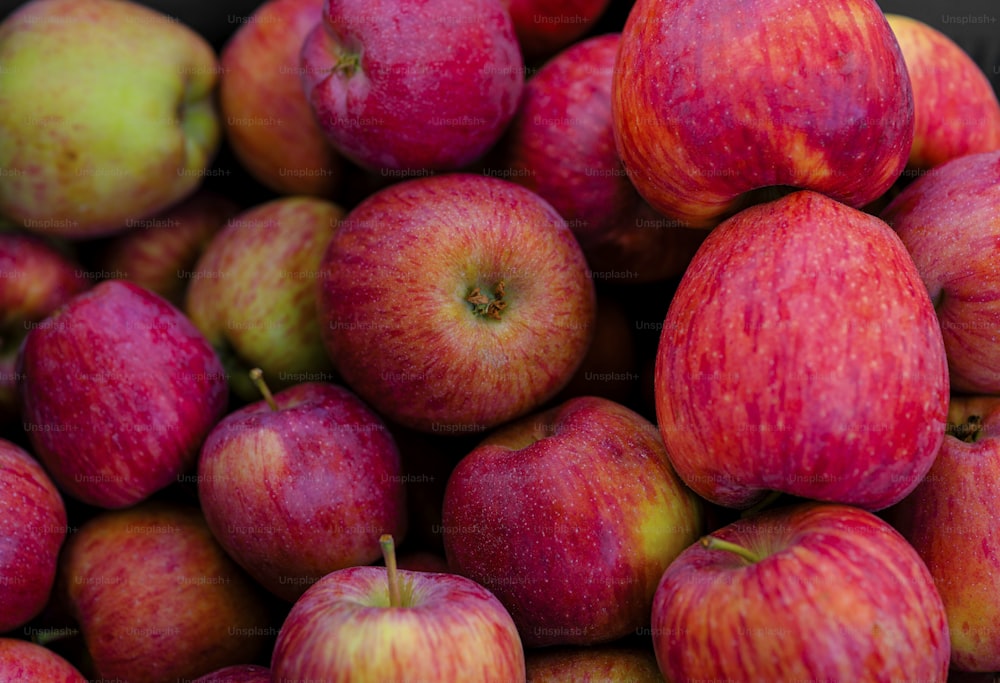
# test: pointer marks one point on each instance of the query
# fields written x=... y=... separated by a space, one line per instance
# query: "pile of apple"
x=666 y=353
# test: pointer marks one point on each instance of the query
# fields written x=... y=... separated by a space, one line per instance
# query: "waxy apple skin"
x=570 y=517
x=544 y=27
x=801 y=354
x=949 y=221
x=956 y=111
x=950 y=520
x=342 y=629
x=397 y=276
x=33 y=526
x=296 y=493
x=237 y=673
x=118 y=390
x=592 y=664
x=711 y=102
x=390 y=102
x=838 y=595
x=22 y=660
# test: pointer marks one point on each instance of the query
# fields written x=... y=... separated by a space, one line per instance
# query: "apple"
x=253 y=292
x=22 y=660
x=807 y=592
x=128 y=123
x=570 y=516
x=33 y=526
x=593 y=664
x=388 y=624
x=812 y=96
x=949 y=519
x=237 y=673
x=156 y=598
x=801 y=354
x=118 y=390
x=301 y=484
x=453 y=303
x=947 y=218
x=160 y=252
x=391 y=103
x=266 y=117
x=956 y=111
x=544 y=27
x=36 y=277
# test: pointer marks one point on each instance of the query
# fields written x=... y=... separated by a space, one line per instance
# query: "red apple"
x=713 y=104
x=810 y=592
x=118 y=390
x=301 y=484
x=544 y=27
x=594 y=664
x=22 y=660
x=801 y=354
x=388 y=101
x=456 y=302
x=956 y=111
x=266 y=117
x=156 y=598
x=237 y=673
x=384 y=624
x=569 y=517
x=949 y=220
x=950 y=520
x=33 y=526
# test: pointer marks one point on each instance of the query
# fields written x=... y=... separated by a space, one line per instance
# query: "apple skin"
x=36 y=277
x=237 y=673
x=838 y=595
x=342 y=629
x=22 y=660
x=266 y=117
x=812 y=95
x=118 y=390
x=33 y=526
x=544 y=27
x=956 y=111
x=809 y=362
x=958 y=198
x=295 y=493
x=397 y=276
x=156 y=598
x=391 y=103
x=593 y=664
x=127 y=127
x=569 y=517
x=253 y=292
x=950 y=520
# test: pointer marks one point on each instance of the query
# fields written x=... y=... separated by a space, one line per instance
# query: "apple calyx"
x=968 y=431
x=347 y=63
x=485 y=306
x=713 y=543
x=257 y=377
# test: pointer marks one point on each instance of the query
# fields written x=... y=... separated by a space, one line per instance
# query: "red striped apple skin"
x=838 y=595
x=801 y=354
x=22 y=660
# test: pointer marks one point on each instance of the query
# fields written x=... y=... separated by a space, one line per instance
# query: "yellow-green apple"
x=118 y=390
x=561 y=146
x=455 y=302
x=253 y=292
x=36 y=277
x=33 y=526
x=949 y=220
x=949 y=519
x=301 y=484
x=806 y=592
x=569 y=517
x=715 y=105
x=128 y=123
x=161 y=251
x=801 y=354
x=22 y=660
x=544 y=27
x=392 y=103
x=592 y=664
x=237 y=673
x=266 y=117
x=374 y=624
x=156 y=598
x=956 y=111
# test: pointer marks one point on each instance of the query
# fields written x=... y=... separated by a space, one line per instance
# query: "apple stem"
x=713 y=543
x=392 y=576
x=257 y=377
